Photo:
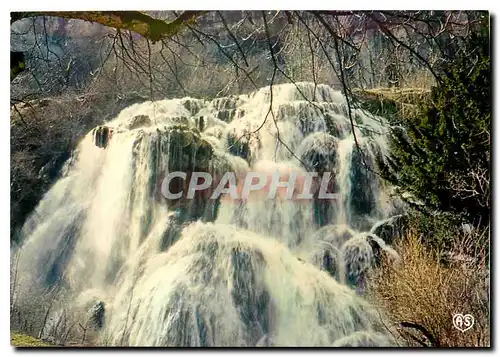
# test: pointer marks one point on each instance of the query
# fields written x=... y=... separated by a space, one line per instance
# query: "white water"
x=226 y=273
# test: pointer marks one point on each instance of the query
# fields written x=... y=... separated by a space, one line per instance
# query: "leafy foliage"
x=443 y=157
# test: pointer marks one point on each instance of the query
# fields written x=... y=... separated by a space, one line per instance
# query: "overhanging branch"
x=136 y=21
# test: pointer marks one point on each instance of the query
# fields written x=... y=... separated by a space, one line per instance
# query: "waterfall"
x=217 y=271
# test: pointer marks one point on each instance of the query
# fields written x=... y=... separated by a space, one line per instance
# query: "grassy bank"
x=395 y=104
x=20 y=340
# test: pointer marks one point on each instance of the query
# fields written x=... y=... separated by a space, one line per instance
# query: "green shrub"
x=443 y=159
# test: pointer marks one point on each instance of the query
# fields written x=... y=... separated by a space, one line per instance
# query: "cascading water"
x=220 y=272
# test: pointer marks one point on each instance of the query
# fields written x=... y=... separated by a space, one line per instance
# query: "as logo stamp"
x=463 y=322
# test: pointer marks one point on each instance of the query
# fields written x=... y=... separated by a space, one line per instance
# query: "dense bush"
x=443 y=158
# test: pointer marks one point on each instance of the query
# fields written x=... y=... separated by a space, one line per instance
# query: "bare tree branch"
x=136 y=21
